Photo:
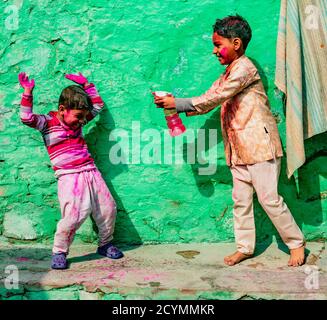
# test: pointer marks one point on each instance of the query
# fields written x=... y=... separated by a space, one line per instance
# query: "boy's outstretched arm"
x=227 y=86
x=89 y=88
x=27 y=116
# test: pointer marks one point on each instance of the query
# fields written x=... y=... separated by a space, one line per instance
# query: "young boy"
x=252 y=144
x=81 y=189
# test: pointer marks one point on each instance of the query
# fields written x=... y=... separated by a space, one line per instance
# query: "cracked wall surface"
x=129 y=48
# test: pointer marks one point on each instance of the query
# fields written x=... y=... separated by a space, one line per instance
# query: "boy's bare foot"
x=236 y=258
x=297 y=257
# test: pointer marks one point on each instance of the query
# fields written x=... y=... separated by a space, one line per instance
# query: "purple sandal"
x=59 y=261
x=110 y=251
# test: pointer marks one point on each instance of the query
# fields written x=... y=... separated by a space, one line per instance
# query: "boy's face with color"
x=74 y=119
x=225 y=49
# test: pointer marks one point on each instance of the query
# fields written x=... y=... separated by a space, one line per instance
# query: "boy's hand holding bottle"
x=166 y=100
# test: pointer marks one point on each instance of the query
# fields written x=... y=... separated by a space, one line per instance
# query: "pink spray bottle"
x=174 y=122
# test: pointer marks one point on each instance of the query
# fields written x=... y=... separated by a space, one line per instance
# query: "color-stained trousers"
x=81 y=194
x=263 y=178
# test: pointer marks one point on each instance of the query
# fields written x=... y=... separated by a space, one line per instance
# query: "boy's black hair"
x=234 y=27
x=74 y=98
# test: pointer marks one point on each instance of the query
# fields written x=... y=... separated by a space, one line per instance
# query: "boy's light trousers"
x=263 y=179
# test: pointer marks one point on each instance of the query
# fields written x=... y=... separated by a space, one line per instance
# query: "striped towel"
x=301 y=73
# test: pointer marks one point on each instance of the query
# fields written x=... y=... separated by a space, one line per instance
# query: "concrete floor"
x=167 y=271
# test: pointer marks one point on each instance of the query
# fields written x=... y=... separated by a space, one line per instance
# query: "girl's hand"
x=77 y=78
x=27 y=84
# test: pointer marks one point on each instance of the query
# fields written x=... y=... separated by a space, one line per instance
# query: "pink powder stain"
x=228 y=112
x=76 y=189
x=21 y=259
x=104 y=268
x=88 y=276
x=104 y=262
x=115 y=275
x=120 y=275
x=223 y=53
x=103 y=190
x=111 y=276
x=70 y=235
x=75 y=212
x=152 y=277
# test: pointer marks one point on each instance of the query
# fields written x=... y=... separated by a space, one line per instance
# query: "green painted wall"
x=129 y=48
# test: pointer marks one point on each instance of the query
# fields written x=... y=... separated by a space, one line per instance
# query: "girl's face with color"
x=225 y=49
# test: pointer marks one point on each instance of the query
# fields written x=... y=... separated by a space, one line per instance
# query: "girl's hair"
x=234 y=27
x=75 y=98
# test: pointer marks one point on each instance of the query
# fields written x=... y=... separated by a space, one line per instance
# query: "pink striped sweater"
x=67 y=148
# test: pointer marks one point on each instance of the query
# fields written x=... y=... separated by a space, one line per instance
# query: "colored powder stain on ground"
x=151 y=277
x=188 y=254
x=255 y=265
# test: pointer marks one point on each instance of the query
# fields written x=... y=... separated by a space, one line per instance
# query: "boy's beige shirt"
x=249 y=129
